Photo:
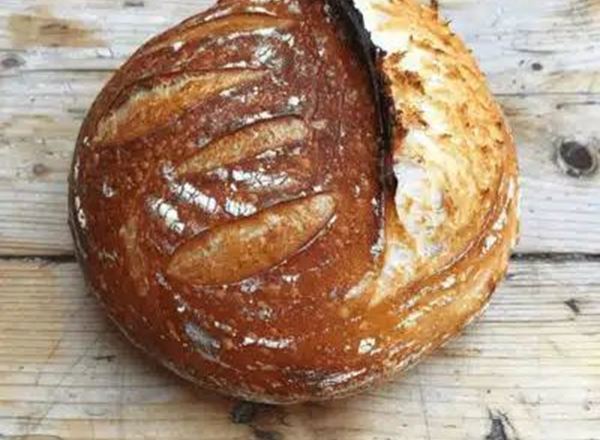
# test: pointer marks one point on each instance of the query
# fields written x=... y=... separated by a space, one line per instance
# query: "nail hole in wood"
x=40 y=170
x=577 y=159
x=537 y=66
x=12 y=61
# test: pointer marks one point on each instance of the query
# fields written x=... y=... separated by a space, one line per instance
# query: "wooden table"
x=530 y=369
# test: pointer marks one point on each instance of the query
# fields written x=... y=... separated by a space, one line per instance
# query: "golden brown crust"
x=228 y=208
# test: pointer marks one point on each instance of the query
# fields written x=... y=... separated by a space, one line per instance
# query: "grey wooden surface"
x=530 y=369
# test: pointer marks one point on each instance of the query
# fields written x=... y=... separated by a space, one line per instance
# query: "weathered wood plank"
x=40 y=114
x=530 y=369
x=55 y=56
x=532 y=47
x=532 y=365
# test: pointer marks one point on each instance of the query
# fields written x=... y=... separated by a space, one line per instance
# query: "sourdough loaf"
x=291 y=200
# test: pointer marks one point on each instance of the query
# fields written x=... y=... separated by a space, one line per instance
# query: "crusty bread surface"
x=239 y=216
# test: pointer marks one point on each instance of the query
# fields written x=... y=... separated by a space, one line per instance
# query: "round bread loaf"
x=291 y=200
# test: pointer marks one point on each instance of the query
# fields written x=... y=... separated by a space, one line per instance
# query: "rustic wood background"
x=529 y=370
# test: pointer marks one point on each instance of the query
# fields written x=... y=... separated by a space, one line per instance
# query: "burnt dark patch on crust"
x=372 y=56
x=352 y=26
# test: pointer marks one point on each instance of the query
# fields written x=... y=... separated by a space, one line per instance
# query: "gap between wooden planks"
x=531 y=365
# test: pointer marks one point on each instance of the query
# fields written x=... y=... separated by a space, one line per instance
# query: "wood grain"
x=560 y=213
x=535 y=357
x=545 y=75
x=546 y=78
x=529 y=370
x=529 y=47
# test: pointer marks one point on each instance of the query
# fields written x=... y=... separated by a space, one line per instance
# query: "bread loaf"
x=291 y=200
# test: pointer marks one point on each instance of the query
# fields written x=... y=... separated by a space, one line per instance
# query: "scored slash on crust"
x=307 y=216
x=247 y=142
x=238 y=235
x=154 y=107
x=147 y=110
x=235 y=251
